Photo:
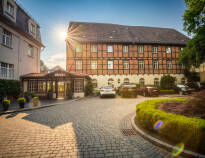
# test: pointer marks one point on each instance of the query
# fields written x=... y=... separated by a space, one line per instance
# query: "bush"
x=89 y=88
x=170 y=91
x=128 y=93
x=9 y=88
x=35 y=98
x=167 y=82
x=6 y=102
x=177 y=128
x=21 y=100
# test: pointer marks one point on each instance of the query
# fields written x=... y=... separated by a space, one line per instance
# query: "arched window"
x=95 y=84
x=183 y=80
x=110 y=81
x=126 y=80
x=156 y=82
x=141 y=82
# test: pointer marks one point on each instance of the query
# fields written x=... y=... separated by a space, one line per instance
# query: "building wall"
x=17 y=54
x=102 y=74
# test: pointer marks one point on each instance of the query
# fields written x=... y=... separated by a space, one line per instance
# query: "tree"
x=167 y=82
x=89 y=88
x=194 y=23
x=43 y=67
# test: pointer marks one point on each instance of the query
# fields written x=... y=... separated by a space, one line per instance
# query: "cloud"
x=57 y=59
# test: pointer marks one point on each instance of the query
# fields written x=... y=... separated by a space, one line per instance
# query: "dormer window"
x=10 y=9
x=32 y=28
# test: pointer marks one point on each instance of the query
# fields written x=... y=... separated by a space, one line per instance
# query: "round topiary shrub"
x=5 y=104
x=35 y=101
x=167 y=82
x=21 y=102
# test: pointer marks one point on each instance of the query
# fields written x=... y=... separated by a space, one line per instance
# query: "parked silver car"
x=107 y=91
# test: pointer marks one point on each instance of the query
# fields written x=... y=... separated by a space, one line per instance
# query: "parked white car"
x=107 y=91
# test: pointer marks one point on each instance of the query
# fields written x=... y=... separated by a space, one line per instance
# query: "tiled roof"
x=34 y=75
x=102 y=32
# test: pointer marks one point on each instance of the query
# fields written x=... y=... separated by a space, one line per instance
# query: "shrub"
x=167 y=82
x=9 y=88
x=35 y=98
x=6 y=102
x=89 y=88
x=21 y=100
x=170 y=91
x=128 y=93
x=176 y=128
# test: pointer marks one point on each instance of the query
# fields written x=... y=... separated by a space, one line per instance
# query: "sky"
x=54 y=17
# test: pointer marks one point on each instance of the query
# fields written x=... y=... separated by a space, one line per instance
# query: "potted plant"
x=21 y=102
x=5 y=104
x=35 y=101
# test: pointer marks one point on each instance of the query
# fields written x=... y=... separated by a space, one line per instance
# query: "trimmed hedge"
x=177 y=128
x=171 y=91
x=126 y=93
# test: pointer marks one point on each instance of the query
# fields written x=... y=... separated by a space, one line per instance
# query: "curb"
x=34 y=108
x=162 y=144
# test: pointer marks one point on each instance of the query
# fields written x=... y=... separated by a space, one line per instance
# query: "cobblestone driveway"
x=86 y=128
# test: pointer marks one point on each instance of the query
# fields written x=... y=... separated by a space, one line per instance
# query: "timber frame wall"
x=118 y=56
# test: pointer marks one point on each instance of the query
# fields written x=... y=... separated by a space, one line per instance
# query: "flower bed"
x=176 y=128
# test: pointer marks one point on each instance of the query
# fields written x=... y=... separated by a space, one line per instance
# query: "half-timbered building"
x=116 y=54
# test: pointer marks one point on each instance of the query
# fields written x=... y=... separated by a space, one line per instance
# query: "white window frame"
x=78 y=48
x=126 y=65
x=94 y=48
x=30 y=50
x=125 y=49
x=110 y=49
x=78 y=64
x=155 y=64
x=169 y=64
x=140 y=81
x=140 y=49
x=10 y=8
x=110 y=65
x=155 y=49
x=6 y=71
x=7 y=38
x=141 y=64
x=168 y=50
x=94 y=64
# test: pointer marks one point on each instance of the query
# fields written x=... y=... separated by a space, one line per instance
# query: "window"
x=78 y=86
x=140 y=49
x=7 y=38
x=126 y=80
x=78 y=64
x=78 y=49
x=156 y=82
x=10 y=9
x=155 y=49
x=94 y=64
x=30 y=50
x=41 y=86
x=126 y=64
x=141 y=64
x=141 y=82
x=110 y=64
x=94 y=82
x=168 y=50
x=109 y=49
x=169 y=64
x=155 y=64
x=6 y=71
x=32 y=86
x=183 y=80
x=110 y=81
x=33 y=29
x=125 y=49
x=94 y=48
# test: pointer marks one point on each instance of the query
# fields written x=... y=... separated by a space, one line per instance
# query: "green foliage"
x=44 y=68
x=89 y=88
x=191 y=76
x=128 y=93
x=35 y=98
x=21 y=100
x=167 y=82
x=6 y=102
x=9 y=88
x=176 y=128
x=194 y=23
x=28 y=93
x=170 y=91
